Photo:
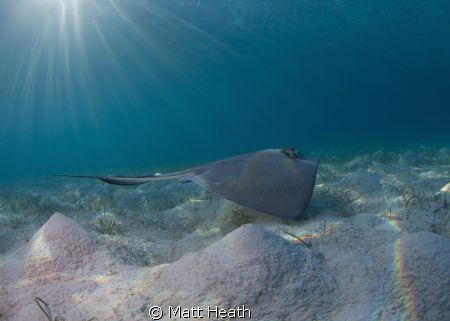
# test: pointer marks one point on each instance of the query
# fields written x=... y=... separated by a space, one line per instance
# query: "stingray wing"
x=268 y=181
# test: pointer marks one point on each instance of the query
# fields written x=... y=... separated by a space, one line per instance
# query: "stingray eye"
x=291 y=152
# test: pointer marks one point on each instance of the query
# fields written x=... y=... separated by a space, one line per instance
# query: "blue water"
x=92 y=85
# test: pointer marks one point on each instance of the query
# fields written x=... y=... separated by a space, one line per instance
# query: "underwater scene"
x=269 y=160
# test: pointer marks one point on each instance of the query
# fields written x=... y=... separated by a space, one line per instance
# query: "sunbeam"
x=73 y=64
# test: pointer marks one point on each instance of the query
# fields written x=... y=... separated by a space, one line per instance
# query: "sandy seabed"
x=373 y=245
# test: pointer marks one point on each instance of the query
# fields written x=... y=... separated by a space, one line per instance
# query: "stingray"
x=275 y=181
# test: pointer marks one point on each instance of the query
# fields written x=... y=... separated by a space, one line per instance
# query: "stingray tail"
x=136 y=180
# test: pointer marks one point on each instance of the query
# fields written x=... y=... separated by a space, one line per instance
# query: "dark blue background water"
x=152 y=83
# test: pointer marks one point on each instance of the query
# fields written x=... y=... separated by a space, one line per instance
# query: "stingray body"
x=275 y=181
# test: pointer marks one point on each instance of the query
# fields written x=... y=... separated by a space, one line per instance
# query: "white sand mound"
x=274 y=278
x=406 y=277
x=59 y=245
x=421 y=283
x=56 y=265
x=363 y=181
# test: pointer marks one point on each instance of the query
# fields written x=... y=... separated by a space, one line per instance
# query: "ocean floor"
x=374 y=244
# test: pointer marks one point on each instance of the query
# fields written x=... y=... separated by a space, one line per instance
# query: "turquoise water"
x=95 y=85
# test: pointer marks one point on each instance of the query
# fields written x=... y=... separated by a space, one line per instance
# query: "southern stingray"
x=275 y=181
